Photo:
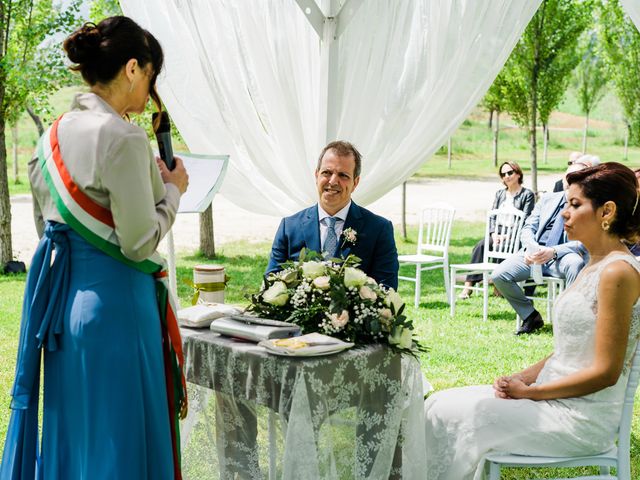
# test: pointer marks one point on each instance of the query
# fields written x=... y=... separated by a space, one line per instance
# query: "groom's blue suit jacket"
x=374 y=244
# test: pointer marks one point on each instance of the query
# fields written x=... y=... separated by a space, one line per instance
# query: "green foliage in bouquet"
x=336 y=298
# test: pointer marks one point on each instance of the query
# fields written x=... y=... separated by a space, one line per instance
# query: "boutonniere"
x=350 y=236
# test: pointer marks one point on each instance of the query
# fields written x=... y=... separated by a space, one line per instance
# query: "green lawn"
x=463 y=351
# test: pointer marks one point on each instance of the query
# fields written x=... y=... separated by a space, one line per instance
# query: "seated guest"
x=319 y=228
x=570 y=402
x=514 y=195
x=574 y=157
x=543 y=234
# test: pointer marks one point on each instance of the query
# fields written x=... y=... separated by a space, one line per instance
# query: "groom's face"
x=335 y=180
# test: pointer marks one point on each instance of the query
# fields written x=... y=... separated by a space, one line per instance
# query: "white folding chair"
x=617 y=457
x=509 y=224
x=555 y=287
x=433 y=237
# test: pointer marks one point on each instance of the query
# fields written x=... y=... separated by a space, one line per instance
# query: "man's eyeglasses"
x=507 y=173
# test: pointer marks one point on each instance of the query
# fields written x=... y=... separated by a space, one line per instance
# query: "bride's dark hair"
x=617 y=183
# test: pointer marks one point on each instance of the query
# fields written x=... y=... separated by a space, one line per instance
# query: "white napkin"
x=201 y=315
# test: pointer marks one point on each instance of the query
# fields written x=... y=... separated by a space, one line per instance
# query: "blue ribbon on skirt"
x=43 y=311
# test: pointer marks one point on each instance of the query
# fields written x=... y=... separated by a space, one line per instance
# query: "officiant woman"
x=101 y=205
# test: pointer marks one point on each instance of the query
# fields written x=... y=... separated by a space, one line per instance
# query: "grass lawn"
x=464 y=350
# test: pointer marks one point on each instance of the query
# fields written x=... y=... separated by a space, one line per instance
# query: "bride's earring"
x=131 y=86
x=605 y=225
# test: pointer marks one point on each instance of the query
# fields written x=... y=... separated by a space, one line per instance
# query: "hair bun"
x=83 y=44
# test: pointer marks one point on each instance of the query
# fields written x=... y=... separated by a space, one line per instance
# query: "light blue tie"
x=556 y=234
x=331 y=240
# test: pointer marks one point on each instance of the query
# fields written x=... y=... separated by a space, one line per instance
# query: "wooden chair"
x=617 y=457
x=509 y=223
x=433 y=237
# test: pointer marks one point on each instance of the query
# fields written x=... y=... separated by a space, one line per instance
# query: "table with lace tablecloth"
x=354 y=414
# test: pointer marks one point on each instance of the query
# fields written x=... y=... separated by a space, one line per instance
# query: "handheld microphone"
x=163 y=136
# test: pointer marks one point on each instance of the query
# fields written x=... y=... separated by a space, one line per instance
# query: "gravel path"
x=471 y=198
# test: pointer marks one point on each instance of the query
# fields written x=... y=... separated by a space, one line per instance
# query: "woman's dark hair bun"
x=83 y=45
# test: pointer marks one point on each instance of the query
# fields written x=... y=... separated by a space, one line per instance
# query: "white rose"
x=366 y=293
x=401 y=337
x=322 y=282
x=354 y=277
x=276 y=294
x=339 y=321
x=385 y=318
x=371 y=281
x=288 y=276
x=313 y=269
x=393 y=298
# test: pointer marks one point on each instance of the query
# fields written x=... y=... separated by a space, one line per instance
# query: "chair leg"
x=445 y=272
x=452 y=292
x=485 y=296
x=273 y=445
x=416 y=300
x=494 y=471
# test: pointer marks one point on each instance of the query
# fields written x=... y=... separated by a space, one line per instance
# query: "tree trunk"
x=626 y=142
x=490 y=123
x=545 y=136
x=207 y=244
x=36 y=119
x=533 y=139
x=584 y=134
x=449 y=153
x=496 y=134
x=14 y=137
x=404 y=210
x=6 y=250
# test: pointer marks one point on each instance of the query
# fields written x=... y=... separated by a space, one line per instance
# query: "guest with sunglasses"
x=514 y=195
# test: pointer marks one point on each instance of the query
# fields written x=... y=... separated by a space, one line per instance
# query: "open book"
x=244 y=327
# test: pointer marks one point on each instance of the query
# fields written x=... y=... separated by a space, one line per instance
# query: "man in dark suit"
x=320 y=228
x=544 y=243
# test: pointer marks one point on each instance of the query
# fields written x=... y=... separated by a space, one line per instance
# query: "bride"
x=570 y=402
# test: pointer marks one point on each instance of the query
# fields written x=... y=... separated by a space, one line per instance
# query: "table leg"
x=236 y=439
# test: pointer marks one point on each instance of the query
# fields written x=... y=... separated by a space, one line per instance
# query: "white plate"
x=333 y=346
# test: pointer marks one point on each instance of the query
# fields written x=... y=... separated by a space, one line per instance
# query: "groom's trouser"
x=514 y=269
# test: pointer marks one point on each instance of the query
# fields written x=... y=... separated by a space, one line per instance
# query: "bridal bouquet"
x=338 y=299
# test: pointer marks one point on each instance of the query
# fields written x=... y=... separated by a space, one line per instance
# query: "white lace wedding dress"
x=462 y=424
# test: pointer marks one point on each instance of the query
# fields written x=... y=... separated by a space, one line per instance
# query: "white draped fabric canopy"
x=260 y=81
x=632 y=7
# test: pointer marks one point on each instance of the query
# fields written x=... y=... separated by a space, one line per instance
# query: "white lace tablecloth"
x=356 y=414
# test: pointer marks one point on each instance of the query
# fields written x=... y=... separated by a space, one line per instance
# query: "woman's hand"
x=178 y=176
x=517 y=388
x=512 y=386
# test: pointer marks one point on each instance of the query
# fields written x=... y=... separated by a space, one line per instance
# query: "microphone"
x=163 y=136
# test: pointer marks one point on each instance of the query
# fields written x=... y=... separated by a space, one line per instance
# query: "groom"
x=336 y=226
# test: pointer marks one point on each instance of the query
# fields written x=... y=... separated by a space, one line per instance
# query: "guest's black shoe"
x=530 y=324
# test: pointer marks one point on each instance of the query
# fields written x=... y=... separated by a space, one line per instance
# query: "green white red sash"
x=94 y=223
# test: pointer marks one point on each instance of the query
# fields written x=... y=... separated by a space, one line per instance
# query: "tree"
x=620 y=42
x=553 y=86
x=494 y=101
x=589 y=80
x=29 y=71
x=537 y=68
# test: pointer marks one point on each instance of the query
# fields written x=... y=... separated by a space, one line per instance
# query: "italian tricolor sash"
x=94 y=223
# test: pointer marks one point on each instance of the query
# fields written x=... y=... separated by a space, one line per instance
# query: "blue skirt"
x=105 y=405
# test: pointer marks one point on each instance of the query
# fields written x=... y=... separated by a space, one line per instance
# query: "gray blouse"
x=111 y=161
